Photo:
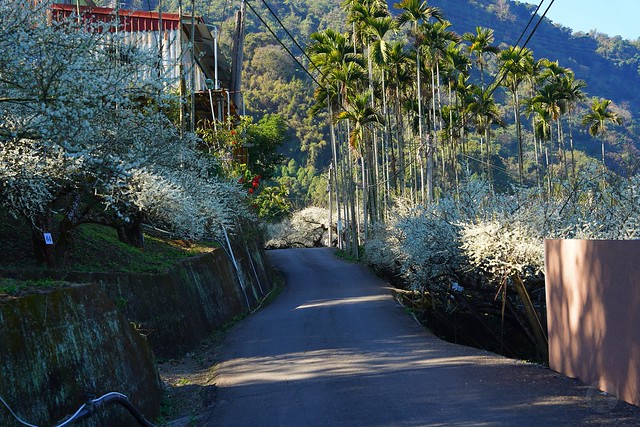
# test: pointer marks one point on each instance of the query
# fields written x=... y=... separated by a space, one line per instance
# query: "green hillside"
x=275 y=82
x=610 y=66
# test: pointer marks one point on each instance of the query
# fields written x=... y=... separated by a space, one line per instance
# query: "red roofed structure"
x=156 y=31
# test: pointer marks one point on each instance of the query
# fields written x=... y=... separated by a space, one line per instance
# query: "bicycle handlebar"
x=89 y=408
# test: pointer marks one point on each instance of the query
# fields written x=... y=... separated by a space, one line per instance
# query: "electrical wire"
x=533 y=15
x=291 y=36
x=282 y=43
x=497 y=80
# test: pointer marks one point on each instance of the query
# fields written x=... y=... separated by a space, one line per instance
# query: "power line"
x=282 y=43
x=288 y=33
x=293 y=39
x=496 y=84
x=506 y=71
x=518 y=41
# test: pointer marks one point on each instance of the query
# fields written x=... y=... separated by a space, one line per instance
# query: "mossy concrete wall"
x=177 y=309
x=57 y=346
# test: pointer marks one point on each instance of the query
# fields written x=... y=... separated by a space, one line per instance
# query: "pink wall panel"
x=593 y=313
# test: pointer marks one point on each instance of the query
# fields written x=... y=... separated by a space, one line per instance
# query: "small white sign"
x=48 y=239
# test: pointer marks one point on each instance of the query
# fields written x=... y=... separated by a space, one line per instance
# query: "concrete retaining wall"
x=57 y=346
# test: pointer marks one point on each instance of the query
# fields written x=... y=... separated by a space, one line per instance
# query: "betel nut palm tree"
x=596 y=121
x=415 y=12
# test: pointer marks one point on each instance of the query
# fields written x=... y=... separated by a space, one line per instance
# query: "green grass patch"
x=350 y=257
x=13 y=287
x=94 y=248
x=97 y=248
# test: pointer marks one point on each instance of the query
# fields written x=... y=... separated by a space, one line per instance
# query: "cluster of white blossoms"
x=500 y=235
x=84 y=132
x=305 y=228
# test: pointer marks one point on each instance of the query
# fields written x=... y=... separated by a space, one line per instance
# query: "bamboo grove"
x=414 y=109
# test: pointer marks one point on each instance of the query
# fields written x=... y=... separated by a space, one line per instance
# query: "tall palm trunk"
x=335 y=169
x=516 y=112
x=373 y=157
x=400 y=171
x=365 y=197
x=431 y=142
x=387 y=148
x=571 y=147
x=487 y=132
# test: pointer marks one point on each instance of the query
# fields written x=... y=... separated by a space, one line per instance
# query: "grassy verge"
x=94 y=248
x=97 y=248
x=347 y=256
x=13 y=287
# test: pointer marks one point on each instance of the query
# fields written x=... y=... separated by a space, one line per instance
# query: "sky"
x=612 y=17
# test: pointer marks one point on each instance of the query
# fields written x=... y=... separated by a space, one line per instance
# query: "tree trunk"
x=65 y=237
x=400 y=171
x=516 y=108
x=334 y=159
x=42 y=251
x=131 y=232
x=532 y=317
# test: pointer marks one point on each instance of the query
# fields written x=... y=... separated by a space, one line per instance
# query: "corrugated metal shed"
x=142 y=28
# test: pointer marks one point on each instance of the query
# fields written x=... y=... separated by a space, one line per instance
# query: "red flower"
x=251 y=191
x=241 y=180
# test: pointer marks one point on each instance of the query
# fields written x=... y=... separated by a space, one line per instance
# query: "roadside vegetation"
x=97 y=173
x=453 y=158
x=95 y=248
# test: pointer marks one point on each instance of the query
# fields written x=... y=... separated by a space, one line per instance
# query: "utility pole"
x=237 y=58
x=117 y=16
x=329 y=188
x=182 y=89
x=160 y=41
x=192 y=113
x=216 y=82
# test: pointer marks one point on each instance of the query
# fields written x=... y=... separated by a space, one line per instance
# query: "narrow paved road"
x=335 y=349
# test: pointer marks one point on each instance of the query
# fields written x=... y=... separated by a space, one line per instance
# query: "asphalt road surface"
x=335 y=349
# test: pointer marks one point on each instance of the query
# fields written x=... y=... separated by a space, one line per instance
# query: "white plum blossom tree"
x=500 y=236
x=84 y=136
x=305 y=228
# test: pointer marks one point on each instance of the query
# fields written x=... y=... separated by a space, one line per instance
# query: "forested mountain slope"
x=610 y=66
x=275 y=83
